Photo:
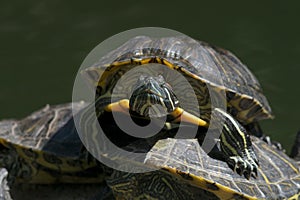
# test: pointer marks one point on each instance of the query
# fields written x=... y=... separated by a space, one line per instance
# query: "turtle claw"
x=243 y=166
x=273 y=143
x=254 y=173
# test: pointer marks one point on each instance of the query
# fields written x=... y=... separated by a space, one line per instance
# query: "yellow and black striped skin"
x=236 y=145
x=45 y=148
x=185 y=171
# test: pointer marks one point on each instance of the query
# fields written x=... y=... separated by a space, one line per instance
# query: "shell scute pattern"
x=278 y=175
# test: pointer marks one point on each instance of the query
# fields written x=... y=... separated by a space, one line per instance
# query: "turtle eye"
x=167 y=85
x=170 y=95
x=160 y=79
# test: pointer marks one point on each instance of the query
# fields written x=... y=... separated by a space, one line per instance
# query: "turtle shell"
x=44 y=147
x=204 y=66
x=182 y=170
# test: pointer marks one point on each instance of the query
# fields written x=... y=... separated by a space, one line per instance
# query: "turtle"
x=4 y=189
x=45 y=148
x=152 y=91
x=182 y=170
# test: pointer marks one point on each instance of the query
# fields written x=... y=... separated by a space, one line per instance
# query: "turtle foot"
x=273 y=143
x=243 y=166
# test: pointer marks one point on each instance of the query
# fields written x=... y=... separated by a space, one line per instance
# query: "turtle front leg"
x=236 y=145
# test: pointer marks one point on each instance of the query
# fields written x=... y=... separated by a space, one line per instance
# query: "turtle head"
x=152 y=97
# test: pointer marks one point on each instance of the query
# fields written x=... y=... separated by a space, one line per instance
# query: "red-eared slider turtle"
x=185 y=171
x=4 y=189
x=45 y=148
x=200 y=64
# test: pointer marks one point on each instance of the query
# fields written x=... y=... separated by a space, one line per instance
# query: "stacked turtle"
x=185 y=171
x=44 y=148
x=208 y=70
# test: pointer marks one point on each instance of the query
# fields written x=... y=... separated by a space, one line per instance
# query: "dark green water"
x=44 y=42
